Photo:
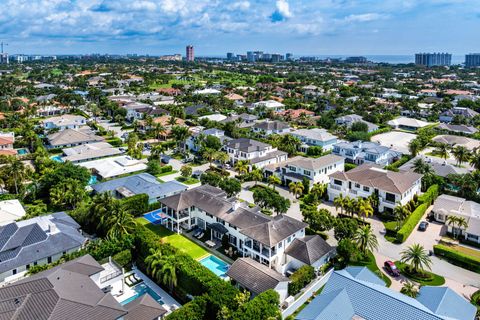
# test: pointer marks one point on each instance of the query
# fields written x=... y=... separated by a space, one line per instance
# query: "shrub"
x=116 y=142
x=300 y=278
x=137 y=204
x=349 y=166
x=123 y=258
x=165 y=169
x=194 y=310
x=411 y=222
x=457 y=258
x=400 y=162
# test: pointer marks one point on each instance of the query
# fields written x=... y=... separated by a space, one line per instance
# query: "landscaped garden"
x=187 y=181
x=422 y=277
x=176 y=240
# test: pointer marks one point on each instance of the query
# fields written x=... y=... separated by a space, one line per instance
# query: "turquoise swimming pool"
x=216 y=265
x=57 y=158
x=22 y=151
x=140 y=290
x=93 y=180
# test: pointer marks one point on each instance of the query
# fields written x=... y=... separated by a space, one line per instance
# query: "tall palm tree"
x=442 y=150
x=400 y=212
x=221 y=157
x=417 y=257
x=339 y=202
x=456 y=223
x=14 y=173
x=461 y=154
x=180 y=134
x=256 y=175
x=159 y=130
x=242 y=166
x=169 y=274
x=296 y=188
x=419 y=166
x=118 y=222
x=364 y=209
x=350 y=205
x=414 y=147
x=409 y=289
x=365 y=239
x=154 y=262
x=475 y=159
x=273 y=180
x=318 y=190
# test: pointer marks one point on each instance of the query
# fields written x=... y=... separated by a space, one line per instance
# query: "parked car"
x=391 y=268
x=423 y=226
x=165 y=159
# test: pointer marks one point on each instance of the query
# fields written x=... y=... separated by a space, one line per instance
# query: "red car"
x=391 y=268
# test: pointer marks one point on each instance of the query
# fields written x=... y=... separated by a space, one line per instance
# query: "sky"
x=214 y=27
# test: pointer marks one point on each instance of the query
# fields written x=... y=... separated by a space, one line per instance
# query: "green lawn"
x=187 y=180
x=177 y=240
x=166 y=173
x=431 y=279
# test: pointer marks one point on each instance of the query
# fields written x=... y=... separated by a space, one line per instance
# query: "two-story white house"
x=192 y=142
x=360 y=152
x=66 y=121
x=316 y=170
x=350 y=119
x=253 y=234
x=271 y=127
x=315 y=137
x=257 y=153
x=392 y=188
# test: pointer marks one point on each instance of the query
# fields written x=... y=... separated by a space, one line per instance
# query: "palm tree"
x=318 y=190
x=242 y=166
x=409 y=289
x=159 y=130
x=180 y=133
x=169 y=273
x=417 y=257
x=400 y=212
x=419 y=166
x=456 y=223
x=339 y=202
x=296 y=188
x=461 y=154
x=118 y=222
x=475 y=159
x=414 y=147
x=442 y=150
x=221 y=157
x=68 y=193
x=365 y=239
x=350 y=205
x=273 y=180
x=14 y=173
x=256 y=175
x=154 y=262
x=364 y=208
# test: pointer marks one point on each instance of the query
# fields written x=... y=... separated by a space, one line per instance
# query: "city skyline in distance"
x=317 y=27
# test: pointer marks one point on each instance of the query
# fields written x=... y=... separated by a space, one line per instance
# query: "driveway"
x=113 y=127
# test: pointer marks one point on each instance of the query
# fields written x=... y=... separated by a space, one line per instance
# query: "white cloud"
x=284 y=8
x=365 y=17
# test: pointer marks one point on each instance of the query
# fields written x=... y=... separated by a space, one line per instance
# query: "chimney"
x=235 y=205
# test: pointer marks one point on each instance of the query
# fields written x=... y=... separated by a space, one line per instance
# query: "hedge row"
x=137 y=204
x=411 y=222
x=457 y=258
x=414 y=218
x=430 y=195
x=400 y=162
x=123 y=258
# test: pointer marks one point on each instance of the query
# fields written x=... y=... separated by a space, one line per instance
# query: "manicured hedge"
x=300 y=278
x=411 y=222
x=400 y=162
x=123 y=258
x=116 y=142
x=457 y=258
x=430 y=195
x=165 y=169
x=349 y=166
x=194 y=310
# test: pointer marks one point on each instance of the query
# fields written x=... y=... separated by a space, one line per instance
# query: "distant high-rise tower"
x=190 y=54
x=472 y=60
x=250 y=56
x=433 y=59
x=230 y=56
x=289 y=56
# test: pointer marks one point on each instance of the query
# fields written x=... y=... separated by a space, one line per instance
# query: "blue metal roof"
x=373 y=301
x=445 y=302
x=142 y=183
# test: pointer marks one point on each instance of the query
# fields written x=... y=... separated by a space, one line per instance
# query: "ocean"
x=393 y=59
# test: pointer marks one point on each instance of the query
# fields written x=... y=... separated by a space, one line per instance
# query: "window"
x=289 y=239
x=390 y=197
x=306 y=172
x=357 y=185
x=14 y=271
x=280 y=244
x=337 y=182
x=49 y=260
x=27 y=266
x=366 y=189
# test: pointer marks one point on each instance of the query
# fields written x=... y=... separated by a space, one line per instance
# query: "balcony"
x=335 y=187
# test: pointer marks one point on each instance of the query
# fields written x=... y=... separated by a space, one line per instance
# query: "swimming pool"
x=22 y=151
x=140 y=290
x=57 y=158
x=93 y=180
x=216 y=265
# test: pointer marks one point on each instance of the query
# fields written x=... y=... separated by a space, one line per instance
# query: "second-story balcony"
x=335 y=187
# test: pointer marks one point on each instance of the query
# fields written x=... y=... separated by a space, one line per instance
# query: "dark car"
x=423 y=226
x=391 y=268
x=165 y=159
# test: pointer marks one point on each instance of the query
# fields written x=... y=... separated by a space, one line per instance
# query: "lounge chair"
x=200 y=236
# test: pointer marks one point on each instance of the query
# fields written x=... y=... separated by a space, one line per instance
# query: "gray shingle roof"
x=71 y=136
x=308 y=249
x=60 y=293
x=254 y=276
x=145 y=308
x=271 y=125
x=247 y=145
x=27 y=241
x=141 y=183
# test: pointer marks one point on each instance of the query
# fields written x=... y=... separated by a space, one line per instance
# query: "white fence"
x=320 y=282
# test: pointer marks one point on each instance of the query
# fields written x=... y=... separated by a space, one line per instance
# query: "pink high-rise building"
x=190 y=55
